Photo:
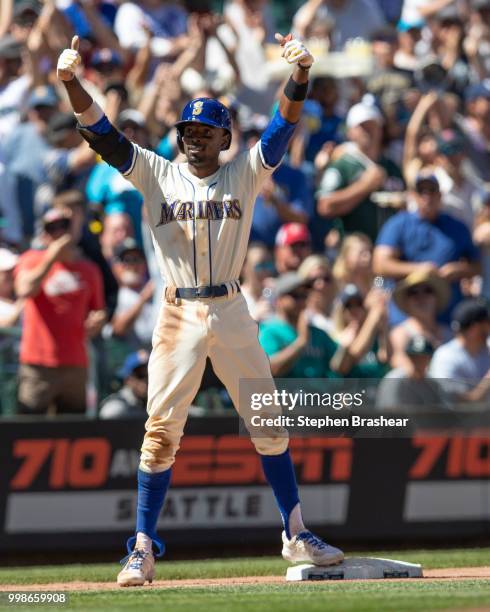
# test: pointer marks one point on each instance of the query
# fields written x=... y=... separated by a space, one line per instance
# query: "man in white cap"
x=357 y=169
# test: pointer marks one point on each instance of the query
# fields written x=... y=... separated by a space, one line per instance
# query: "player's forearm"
x=289 y=107
x=80 y=99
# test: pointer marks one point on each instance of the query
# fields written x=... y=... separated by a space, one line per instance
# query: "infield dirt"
x=433 y=575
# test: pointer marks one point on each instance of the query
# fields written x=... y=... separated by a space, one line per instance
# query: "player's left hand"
x=295 y=51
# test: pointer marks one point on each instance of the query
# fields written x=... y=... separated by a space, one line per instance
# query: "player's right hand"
x=68 y=61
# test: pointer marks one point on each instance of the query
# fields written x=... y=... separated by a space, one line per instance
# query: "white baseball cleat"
x=139 y=567
x=305 y=546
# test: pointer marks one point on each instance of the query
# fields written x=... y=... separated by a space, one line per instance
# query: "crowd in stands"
x=369 y=253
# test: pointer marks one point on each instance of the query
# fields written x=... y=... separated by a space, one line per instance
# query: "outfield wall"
x=71 y=485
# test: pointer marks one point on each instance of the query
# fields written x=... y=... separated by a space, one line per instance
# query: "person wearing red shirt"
x=64 y=306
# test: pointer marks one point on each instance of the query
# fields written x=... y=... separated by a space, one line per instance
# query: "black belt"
x=192 y=293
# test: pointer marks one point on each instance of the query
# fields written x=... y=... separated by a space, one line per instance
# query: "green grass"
x=397 y=596
x=338 y=597
x=222 y=568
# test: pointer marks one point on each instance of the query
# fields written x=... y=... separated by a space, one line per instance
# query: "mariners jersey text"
x=203 y=209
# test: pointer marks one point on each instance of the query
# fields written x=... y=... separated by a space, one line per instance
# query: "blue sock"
x=279 y=471
x=151 y=495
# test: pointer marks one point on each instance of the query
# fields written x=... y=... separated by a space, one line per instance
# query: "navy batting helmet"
x=207 y=111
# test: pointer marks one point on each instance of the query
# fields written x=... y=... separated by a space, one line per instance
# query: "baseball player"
x=200 y=213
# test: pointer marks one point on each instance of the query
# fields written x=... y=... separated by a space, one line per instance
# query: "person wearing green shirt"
x=296 y=348
x=358 y=169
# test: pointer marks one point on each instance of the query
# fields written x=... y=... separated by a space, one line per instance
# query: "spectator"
x=108 y=188
x=74 y=201
x=421 y=295
x=409 y=36
x=295 y=348
x=117 y=227
x=10 y=215
x=62 y=292
x=481 y=237
x=25 y=149
x=165 y=20
x=323 y=123
x=426 y=239
x=408 y=388
x=358 y=169
x=463 y=364
x=14 y=84
x=316 y=272
x=388 y=82
x=253 y=27
x=362 y=323
x=458 y=184
x=354 y=264
x=132 y=321
x=293 y=244
x=345 y=15
x=273 y=209
x=257 y=281
x=10 y=308
x=475 y=125
x=130 y=400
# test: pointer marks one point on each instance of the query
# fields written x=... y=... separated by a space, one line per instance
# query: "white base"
x=356 y=568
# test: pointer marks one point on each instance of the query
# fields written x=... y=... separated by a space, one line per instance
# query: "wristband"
x=296 y=92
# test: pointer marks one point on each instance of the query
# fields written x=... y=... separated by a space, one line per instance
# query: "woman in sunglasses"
x=421 y=296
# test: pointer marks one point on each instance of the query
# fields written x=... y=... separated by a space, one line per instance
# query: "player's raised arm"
x=275 y=139
x=294 y=94
x=102 y=136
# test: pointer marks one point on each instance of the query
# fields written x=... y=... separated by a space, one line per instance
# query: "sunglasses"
x=60 y=225
x=420 y=290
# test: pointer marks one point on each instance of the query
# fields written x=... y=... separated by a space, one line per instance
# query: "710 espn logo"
x=90 y=463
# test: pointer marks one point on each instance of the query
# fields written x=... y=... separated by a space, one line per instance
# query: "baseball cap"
x=426 y=176
x=419 y=345
x=349 y=292
x=479 y=5
x=469 y=312
x=366 y=110
x=132 y=362
x=8 y=260
x=59 y=126
x=448 y=13
x=477 y=90
x=22 y=9
x=10 y=48
x=291 y=233
x=130 y=115
x=106 y=56
x=54 y=214
x=406 y=26
x=288 y=282
x=128 y=244
x=43 y=96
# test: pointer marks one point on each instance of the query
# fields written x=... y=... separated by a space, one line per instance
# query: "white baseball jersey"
x=200 y=227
